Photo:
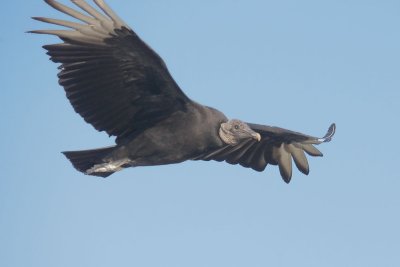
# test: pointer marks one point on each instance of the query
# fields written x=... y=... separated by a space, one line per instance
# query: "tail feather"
x=85 y=159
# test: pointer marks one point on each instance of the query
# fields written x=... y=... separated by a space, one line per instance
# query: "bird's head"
x=234 y=131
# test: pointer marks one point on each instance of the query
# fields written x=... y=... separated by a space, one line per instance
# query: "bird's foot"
x=108 y=167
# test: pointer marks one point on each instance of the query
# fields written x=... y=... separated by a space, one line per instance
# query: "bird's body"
x=153 y=145
x=121 y=86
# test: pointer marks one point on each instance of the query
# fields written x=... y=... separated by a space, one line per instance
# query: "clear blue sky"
x=295 y=64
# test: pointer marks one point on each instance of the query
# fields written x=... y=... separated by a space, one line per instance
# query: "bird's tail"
x=84 y=160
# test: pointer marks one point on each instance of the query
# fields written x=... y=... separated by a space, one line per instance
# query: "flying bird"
x=119 y=85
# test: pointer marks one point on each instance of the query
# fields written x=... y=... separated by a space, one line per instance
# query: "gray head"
x=234 y=131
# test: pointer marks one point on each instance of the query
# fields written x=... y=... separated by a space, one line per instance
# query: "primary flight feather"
x=118 y=84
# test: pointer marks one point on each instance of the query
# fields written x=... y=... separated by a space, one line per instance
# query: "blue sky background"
x=295 y=64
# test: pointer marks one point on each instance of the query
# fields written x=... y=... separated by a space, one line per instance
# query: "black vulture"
x=118 y=84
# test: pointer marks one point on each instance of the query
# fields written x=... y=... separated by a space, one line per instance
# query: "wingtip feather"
x=329 y=134
x=285 y=178
x=299 y=158
x=285 y=163
x=119 y=23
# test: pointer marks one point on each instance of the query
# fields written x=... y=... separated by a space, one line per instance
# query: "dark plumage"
x=121 y=86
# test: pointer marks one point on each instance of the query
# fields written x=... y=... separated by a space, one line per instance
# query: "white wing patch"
x=96 y=26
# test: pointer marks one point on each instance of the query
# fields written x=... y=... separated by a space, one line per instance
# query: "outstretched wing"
x=276 y=147
x=111 y=77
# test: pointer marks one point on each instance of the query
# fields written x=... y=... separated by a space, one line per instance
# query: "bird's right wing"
x=111 y=77
x=277 y=147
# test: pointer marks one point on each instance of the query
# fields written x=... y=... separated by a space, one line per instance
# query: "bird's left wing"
x=114 y=80
x=277 y=147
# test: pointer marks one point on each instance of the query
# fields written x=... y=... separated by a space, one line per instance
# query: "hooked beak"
x=256 y=136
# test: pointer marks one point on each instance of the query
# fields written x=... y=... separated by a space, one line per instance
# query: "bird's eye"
x=236 y=127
